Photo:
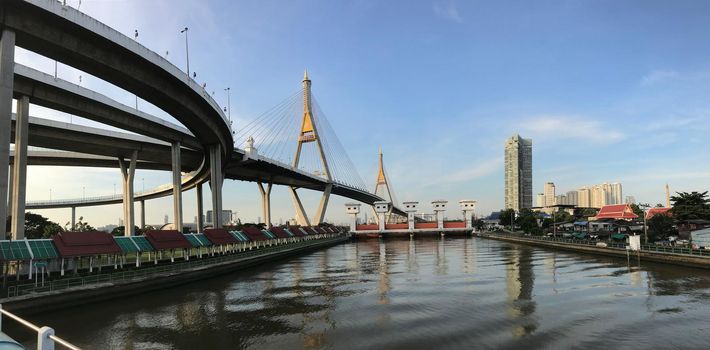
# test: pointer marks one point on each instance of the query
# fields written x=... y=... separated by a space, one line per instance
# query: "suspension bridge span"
x=291 y=145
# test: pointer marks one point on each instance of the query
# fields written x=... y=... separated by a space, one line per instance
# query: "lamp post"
x=187 y=53
x=644 y=207
x=229 y=107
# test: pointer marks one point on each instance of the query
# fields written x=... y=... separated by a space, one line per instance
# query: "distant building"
x=572 y=198
x=561 y=200
x=549 y=191
x=540 y=200
x=584 y=197
x=630 y=200
x=226 y=217
x=518 y=173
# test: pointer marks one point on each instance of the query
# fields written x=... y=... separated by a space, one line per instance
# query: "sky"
x=609 y=91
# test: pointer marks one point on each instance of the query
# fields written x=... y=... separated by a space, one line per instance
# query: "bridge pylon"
x=306 y=134
x=383 y=189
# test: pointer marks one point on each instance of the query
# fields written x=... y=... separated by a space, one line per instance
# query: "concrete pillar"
x=381 y=208
x=177 y=185
x=265 y=202
x=216 y=185
x=301 y=216
x=11 y=174
x=7 y=71
x=411 y=209
x=323 y=206
x=128 y=172
x=19 y=182
x=73 y=218
x=143 y=214
x=439 y=209
x=353 y=209
x=467 y=206
x=200 y=210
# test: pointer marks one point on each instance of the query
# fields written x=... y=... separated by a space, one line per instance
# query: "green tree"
x=637 y=210
x=80 y=226
x=507 y=217
x=527 y=220
x=660 y=226
x=51 y=229
x=690 y=206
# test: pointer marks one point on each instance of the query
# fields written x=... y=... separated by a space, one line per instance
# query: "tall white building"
x=549 y=191
x=584 y=197
x=518 y=173
x=573 y=198
x=630 y=200
x=616 y=195
x=540 y=200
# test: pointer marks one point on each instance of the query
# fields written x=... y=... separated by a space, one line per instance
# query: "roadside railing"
x=109 y=276
x=45 y=335
x=644 y=247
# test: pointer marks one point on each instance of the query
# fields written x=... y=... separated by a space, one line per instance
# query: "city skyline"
x=546 y=82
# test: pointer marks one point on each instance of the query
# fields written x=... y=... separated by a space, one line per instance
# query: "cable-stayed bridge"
x=292 y=144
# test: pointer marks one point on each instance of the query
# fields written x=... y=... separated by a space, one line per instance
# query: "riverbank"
x=164 y=277
x=687 y=260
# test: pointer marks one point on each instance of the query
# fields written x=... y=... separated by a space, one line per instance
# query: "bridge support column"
x=323 y=206
x=128 y=172
x=216 y=185
x=177 y=186
x=9 y=186
x=143 y=214
x=7 y=74
x=352 y=209
x=301 y=216
x=200 y=210
x=19 y=183
x=265 y=203
x=73 y=218
x=381 y=208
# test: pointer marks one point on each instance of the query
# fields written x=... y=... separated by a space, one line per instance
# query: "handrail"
x=45 y=335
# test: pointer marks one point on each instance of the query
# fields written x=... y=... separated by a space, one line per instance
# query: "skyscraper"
x=518 y=173
x=549 y=190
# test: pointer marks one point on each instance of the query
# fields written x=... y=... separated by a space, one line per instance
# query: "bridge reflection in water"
x=455 y=293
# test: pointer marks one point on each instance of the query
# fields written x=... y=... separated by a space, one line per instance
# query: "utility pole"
x=187 y=53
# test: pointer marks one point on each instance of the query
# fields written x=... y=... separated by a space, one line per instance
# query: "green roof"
x=289 y=232
x=43 y=249
x=203 y=239
x=126 y=244
x=14 y=250
x=269 y=233
x=239 y=236
x=193 y=240
x=143 y=243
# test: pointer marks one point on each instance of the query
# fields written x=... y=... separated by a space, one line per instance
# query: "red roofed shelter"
x=616 y=211
x=71 y=244
x=657 y=211
x=219 y=236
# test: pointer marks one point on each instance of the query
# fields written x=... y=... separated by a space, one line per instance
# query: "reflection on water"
x=421 y=294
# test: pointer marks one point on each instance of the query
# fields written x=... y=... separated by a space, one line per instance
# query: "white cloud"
x=552 y=127
x=447 y=10
x=658 y=76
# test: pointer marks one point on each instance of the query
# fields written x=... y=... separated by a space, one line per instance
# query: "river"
x=459 y=293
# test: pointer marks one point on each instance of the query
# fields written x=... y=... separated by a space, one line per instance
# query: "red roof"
x=309 y=230
x=85 y=243
x=167 y=239
x=296 y=231
x=319 y=229
x=219 y=236
x=657 y=211
x=279 y=232
x=254 y=234
x=616 y=211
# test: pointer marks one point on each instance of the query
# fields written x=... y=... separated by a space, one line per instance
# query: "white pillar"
x=7 y=71
x=200 y=210
x=323 y=206
x=177 y=185
x=352 y=209
x=301 y=216
x=467 y=206
x=19 y=182
x=439 y=209
x=381 y=208
x=265 y=203
x=143 y=214
x=411 y=209
x=73 y=218
x=128 y=172
x=216 y=185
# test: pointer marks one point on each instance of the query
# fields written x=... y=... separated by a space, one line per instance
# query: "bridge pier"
x=9 y=186
x=301 y=216
x=323 y=206
x=216 y=178
x=7 y=73
x=265 y=202
x=128 y=172
x=19 y=183
x=73 y=218
x=143 y=214
x=200 y=210
x=177 y=185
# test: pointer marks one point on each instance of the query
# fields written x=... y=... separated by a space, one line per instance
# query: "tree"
x=690 y=206
x=37 y=226
x=478 y=224
x=507 y=217
x=660 y=226
x=80 y=226
x=121 y=231
x=51 y=229
x=637 y=210
x=527 y=220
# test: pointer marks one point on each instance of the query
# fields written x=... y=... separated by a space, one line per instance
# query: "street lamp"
x=187 y=53
x=229 y=107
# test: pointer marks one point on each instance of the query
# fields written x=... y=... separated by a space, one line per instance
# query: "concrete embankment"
x=74 y=296
x=702 y=262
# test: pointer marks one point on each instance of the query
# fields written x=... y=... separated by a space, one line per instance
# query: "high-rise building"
x=540 y=200
x=561 y=200
x=584 y=197
x=615 y=194
x=549 y=191
x=630 y=200
x=572 y=198
x=518 y=173
x=598 y=196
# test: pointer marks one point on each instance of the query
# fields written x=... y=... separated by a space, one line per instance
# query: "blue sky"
x=608 y=91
